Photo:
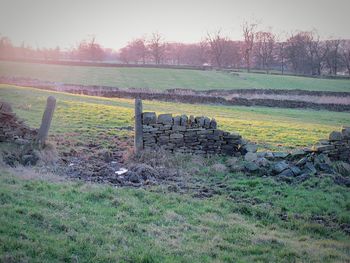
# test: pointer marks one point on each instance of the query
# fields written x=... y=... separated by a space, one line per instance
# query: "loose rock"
x=280 y=166
x=250 y=157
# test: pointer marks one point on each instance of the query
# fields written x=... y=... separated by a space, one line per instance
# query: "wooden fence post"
x=46 y=121
x=138 y=140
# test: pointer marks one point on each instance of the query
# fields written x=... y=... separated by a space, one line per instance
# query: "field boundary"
x=191 y=96
x=168 y=66
x=106 y=64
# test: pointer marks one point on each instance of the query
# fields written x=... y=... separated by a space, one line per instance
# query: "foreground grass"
x=166 y=78
x=46 y=220
x=85 y=118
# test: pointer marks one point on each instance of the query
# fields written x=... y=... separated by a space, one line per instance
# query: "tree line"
x=302 y=53
x=86 y=50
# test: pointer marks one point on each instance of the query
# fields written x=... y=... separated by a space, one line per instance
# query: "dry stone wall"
x=197 y=135
x=337 y=147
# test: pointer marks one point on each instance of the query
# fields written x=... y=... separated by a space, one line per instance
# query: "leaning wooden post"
x=138 y=140
x=46 y=121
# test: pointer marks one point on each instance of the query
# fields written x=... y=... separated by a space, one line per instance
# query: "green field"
x=43 y=219
x=92 y=117
x=48 y=218
x=166 y=78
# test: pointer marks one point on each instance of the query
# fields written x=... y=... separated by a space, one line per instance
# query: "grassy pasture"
x=90 y=117
x=166 y=78
x=45 y=218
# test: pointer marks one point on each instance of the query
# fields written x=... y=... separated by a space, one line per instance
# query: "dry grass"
x=160 y=158
x=48 y=155
x=32 y=173
x=218 y=168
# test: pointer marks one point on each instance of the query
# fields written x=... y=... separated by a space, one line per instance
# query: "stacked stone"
x=195 y=135
x=337 y=147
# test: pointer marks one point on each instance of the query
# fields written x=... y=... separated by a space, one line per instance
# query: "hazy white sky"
x=48 y=23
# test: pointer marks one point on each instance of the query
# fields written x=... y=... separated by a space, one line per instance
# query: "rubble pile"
x=337 y=147
x=11 y=128
x=328 y=157
x=15 y=131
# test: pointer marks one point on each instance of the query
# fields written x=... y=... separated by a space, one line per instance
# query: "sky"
x=51 y=23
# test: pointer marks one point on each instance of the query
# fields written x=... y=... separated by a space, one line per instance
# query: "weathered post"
x=138 y=143
x=46 y=121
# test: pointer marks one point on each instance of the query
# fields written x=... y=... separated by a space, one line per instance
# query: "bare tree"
x=231 y=54
x=297 y=53
x=280 y=52
x=95 y=51
x=157 y=47
x=175 y=53
x=307 y=54
x=89 y=49
x=333 y=56
x=135 y=51
x=124 y=55
x=110 y=54
x=202 y=52
x=217 y=44
x=138 y=47
x=6 y=48
x=248 y=35
x=50 y=53
x=345 y=54
x=317 y=51
x=264 y=46
x=195 y=54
